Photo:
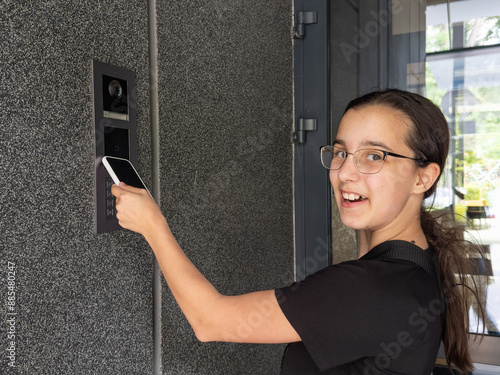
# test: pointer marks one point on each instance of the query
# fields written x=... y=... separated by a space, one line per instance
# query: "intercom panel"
x=115 y=133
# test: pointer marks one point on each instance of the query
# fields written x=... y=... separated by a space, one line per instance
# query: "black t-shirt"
x=367 y=316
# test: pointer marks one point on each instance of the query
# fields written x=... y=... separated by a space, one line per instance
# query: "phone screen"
x=125 y=172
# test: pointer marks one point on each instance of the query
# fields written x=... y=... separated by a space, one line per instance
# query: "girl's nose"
x=348 y=171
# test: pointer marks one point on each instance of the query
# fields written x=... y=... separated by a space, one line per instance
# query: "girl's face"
x=386 y=199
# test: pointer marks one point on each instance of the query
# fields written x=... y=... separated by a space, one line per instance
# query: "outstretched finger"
x=117 y=191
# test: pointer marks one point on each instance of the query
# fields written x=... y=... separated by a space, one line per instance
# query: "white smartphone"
x=122 y=170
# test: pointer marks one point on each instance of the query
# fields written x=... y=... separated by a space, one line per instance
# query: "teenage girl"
x=387 y=311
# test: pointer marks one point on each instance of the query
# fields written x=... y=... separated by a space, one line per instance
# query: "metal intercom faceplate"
x=115 y=133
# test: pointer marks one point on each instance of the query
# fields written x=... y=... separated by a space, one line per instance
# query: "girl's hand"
x=136 y=210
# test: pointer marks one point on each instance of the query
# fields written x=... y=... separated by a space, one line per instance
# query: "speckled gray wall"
x=83 y=301
x=226 y=110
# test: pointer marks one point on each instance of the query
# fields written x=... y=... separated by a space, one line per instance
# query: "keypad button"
x=110 y=201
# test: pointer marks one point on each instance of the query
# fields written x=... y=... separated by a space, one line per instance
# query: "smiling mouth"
x=353 y=197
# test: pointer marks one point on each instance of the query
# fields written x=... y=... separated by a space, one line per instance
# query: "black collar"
x=397 y=249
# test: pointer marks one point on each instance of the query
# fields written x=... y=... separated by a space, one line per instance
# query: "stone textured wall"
x=225 y=78
x=83 y=301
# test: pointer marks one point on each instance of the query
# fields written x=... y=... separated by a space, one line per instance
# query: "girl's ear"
x=426 y=177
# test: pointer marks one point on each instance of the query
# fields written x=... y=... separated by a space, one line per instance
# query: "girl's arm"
x=251 y=318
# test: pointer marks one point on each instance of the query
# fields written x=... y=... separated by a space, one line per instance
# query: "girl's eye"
x=339 y=154
x=375 y=156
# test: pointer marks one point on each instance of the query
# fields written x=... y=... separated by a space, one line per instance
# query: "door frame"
x=312 y=197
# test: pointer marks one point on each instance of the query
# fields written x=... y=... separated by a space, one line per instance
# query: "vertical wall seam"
x=155 y=176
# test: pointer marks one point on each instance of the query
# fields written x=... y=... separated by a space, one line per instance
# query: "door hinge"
x=303 y=125
x=303 y=19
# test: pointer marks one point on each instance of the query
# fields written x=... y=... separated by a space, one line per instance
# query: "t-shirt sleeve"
x=346 y=312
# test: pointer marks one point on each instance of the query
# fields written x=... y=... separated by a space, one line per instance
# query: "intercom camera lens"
x=115 y=89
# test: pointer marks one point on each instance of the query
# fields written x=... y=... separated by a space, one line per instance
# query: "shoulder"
x=365 y=271
x=362 y=283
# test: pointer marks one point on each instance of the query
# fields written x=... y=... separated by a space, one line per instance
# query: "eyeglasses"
x=367 y=161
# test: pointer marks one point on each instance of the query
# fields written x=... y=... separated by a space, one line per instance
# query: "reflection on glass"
x=479 y=18
x=465 y=81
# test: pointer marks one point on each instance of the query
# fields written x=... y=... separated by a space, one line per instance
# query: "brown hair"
x=429 y=138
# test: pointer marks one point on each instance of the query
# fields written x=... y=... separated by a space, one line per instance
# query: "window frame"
x=312 y=201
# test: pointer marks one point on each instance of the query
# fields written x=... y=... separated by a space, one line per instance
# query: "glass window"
x=463 y=78
x=480 y=20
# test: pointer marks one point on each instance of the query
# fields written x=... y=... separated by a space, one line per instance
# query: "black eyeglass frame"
x=386 y=153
